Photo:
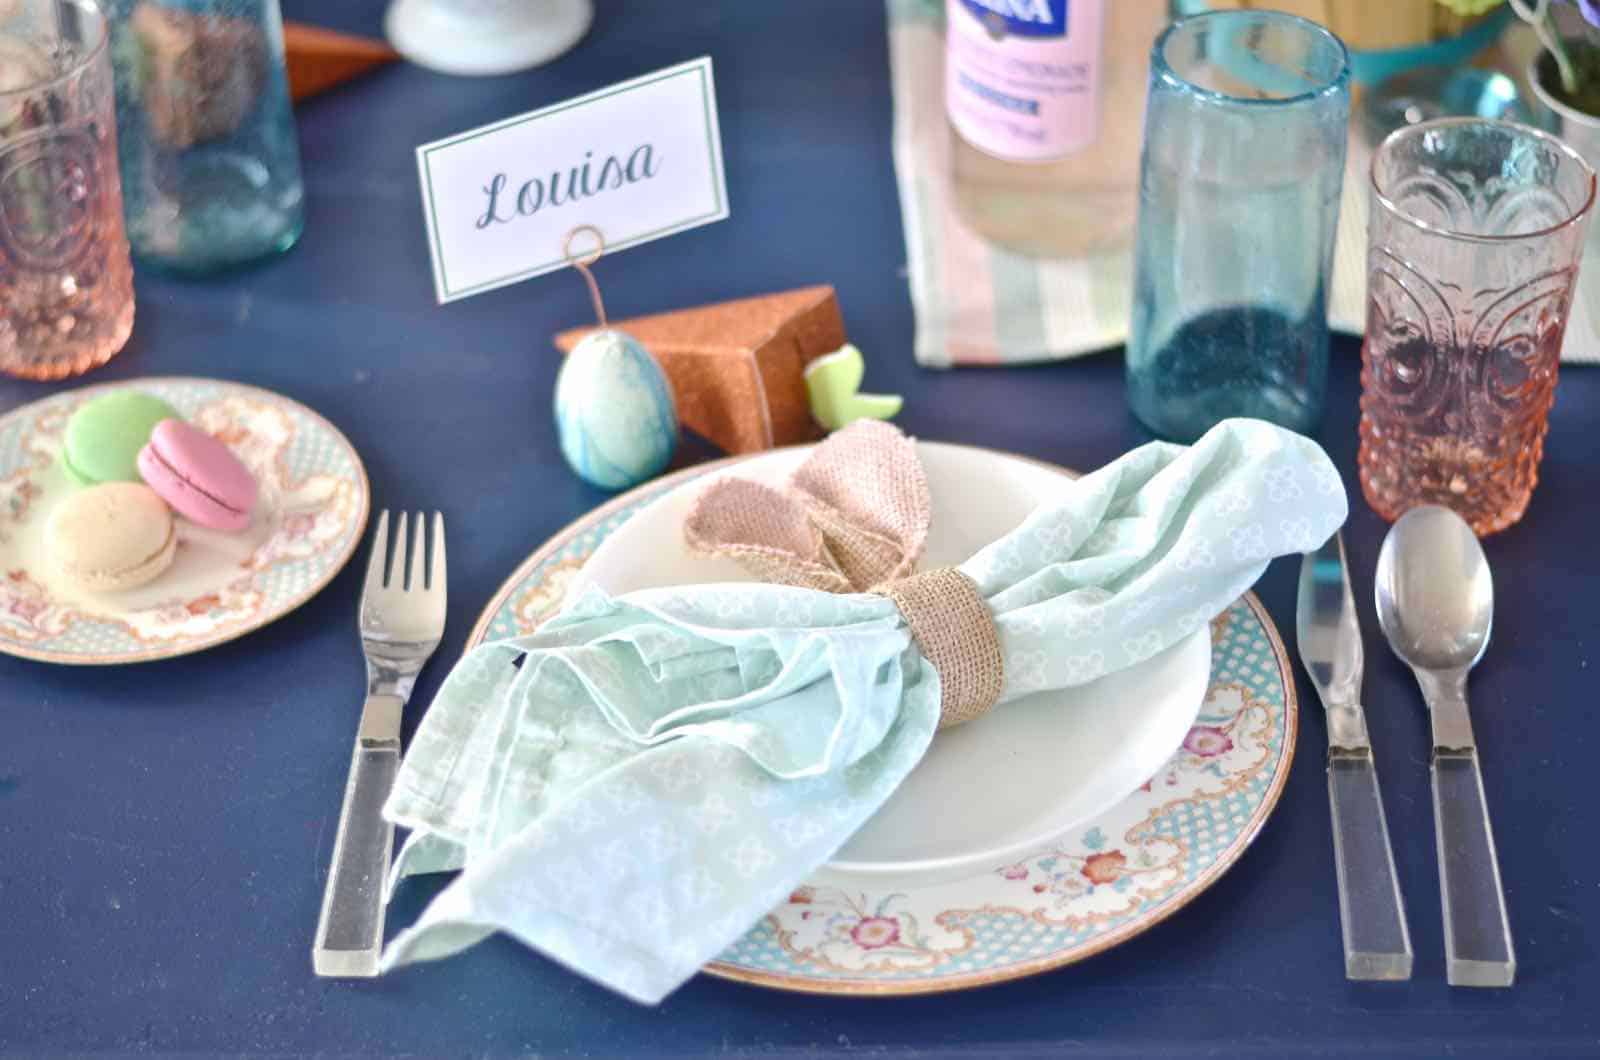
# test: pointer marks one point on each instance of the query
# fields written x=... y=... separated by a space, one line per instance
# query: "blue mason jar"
x=205 y=133
x=1240 y=178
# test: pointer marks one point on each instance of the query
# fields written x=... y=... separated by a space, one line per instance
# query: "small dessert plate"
x=313 y=507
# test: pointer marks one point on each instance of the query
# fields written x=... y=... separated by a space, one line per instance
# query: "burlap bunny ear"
x=854 y=516
x=766 y=530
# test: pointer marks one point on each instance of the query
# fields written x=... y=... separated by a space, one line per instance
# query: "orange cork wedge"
x=737 y=368
x=319 y=59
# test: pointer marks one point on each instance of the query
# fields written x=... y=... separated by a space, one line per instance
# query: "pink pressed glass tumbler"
x=66 y=285
x=1475 y=233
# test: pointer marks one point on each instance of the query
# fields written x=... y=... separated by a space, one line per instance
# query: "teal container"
x=206 y=136
x=1246 y=124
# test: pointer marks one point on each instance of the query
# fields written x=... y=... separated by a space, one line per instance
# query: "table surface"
x=165 y=828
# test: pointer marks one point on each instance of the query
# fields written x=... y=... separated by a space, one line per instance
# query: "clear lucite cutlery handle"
x=350 y=930
x=1377 y=944
x=1477 y=933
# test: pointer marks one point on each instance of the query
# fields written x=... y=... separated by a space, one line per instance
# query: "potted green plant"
x=1566 y=75
x=1566 y=79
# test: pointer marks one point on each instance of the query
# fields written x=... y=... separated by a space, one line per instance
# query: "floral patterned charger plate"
x=312 y=509
x=1104 y=882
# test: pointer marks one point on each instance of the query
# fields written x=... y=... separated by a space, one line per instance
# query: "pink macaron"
x=198 y=475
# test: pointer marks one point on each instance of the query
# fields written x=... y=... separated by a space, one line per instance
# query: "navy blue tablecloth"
x=165 y=829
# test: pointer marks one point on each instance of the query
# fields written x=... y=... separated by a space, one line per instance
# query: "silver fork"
x=402 y=621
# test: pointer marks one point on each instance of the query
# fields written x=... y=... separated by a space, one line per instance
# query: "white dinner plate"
x=993 y=790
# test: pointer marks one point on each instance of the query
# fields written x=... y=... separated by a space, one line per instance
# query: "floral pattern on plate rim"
x=1118 y=876
x=300 y=458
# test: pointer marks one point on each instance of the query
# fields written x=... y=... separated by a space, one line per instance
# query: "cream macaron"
x=112 y=537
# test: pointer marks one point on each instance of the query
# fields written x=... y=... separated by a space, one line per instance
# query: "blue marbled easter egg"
x=614 y=412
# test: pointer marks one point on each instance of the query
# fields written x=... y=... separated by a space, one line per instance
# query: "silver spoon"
x=1436 y=606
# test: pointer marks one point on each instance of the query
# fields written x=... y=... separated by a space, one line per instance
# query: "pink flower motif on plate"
x=27 y=609
x=296 y=527
x=1105 y=867
x=1015 y=872
x=875 y=932
x=1207 y=741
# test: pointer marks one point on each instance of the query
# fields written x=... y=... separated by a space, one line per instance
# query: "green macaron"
x=105 y=435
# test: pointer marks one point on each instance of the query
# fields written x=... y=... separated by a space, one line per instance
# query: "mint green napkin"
x=632 y=787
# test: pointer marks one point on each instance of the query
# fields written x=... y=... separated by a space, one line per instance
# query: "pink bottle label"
x=1022 y=77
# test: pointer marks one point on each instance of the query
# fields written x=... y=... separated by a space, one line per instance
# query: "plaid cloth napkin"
x=977 y=303
x=633 y=786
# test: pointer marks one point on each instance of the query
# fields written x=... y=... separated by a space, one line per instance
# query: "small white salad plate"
x=1065 y=756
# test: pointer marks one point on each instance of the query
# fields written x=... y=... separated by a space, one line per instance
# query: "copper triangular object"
x=319 y=59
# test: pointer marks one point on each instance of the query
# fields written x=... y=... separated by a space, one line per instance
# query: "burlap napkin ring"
x=854 y=518
x=953 y=627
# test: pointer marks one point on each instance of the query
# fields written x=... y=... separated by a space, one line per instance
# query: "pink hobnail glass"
x=1475 y=234
x=66 y=285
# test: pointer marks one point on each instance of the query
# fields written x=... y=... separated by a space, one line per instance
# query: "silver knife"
x=1377 y=944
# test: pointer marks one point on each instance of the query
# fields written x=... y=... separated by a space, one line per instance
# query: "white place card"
x=636 y=161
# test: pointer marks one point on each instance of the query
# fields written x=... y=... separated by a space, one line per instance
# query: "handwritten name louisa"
x=581 y=182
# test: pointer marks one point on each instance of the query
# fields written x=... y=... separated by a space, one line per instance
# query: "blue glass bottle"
x=206 y=137
x=1240 y=176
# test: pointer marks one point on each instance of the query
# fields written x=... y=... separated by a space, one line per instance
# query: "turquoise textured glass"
x=1243 y=162
x=206 y=138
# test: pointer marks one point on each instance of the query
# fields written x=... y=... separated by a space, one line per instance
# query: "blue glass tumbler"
x=1243 y=162
x=206 y=137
